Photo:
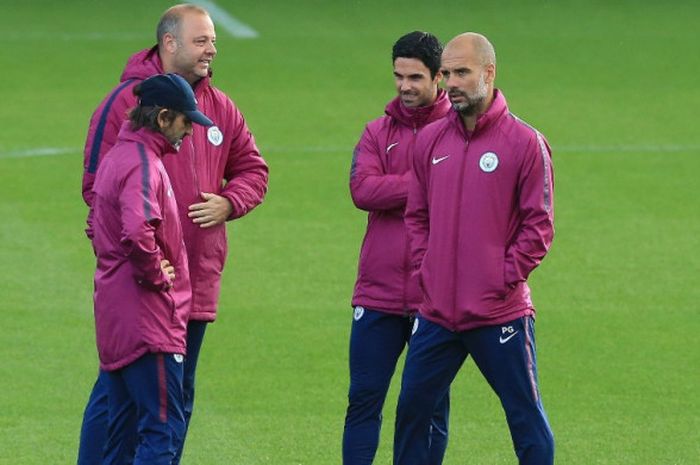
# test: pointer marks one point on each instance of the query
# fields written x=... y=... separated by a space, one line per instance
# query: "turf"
x=612 y=86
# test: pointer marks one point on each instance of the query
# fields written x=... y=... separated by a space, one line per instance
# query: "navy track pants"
x=376 y=342
x=505 y=355
x=93 y=433
x=149 y=391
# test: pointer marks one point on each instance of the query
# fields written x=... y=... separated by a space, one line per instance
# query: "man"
x=385 y=297
x=480 y=219
x=218 y=176
x=142 y=287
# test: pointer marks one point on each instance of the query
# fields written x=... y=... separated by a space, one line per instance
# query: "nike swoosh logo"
x=438 y=160
x=503 y=340
x=391 y=146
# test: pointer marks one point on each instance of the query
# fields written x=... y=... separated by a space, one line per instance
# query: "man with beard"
x=142 y=284
x=217 y=176
x=480 y=219
x=386 y=297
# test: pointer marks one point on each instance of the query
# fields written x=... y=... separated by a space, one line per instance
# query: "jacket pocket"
x=493 y=269
x=213 y=248
x=170 y=302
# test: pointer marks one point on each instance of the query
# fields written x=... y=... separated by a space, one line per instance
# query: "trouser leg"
x=154 y=384
x=376 y=342
x=195 y=337
x=122 y=433
x=433 y=360
x=505 y=355
x=93 y=432
x=439 y=430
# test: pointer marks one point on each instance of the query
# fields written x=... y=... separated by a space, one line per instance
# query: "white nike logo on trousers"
x=503 y=340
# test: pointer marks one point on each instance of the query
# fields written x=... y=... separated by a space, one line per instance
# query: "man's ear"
x=162 y=120
x=490 y=71
x=169 y=42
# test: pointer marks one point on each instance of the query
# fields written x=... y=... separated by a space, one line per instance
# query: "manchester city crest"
x=215 y=136
x=357 y=314
x=488 y=162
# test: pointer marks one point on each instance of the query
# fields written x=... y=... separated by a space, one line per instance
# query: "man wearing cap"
x=480 y=219
x=386 y=296
x=142 y=286
x=217 y=176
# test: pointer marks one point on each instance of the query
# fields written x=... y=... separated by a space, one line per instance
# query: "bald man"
x=217 y=176
x=480 y=219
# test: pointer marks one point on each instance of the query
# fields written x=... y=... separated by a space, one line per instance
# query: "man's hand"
x=168 y=269
x=214 y=210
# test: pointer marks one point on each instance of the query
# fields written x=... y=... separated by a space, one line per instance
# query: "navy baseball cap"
x=173 y=92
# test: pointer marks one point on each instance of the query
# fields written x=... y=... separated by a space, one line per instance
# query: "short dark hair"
x=147 y=117
x=422 y=46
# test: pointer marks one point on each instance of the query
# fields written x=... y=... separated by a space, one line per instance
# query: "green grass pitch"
x=614 y=87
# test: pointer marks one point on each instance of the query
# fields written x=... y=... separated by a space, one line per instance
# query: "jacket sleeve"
x=536 y=207
x=416 y=217
x=141 y=215
x=103 y=131
x=90 y=229
x=246 y=173
x=371 y=188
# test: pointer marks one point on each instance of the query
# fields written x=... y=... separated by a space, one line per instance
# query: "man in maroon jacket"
x=480 y=218
x=142 y=283
x=217 y=176
x=386 y=296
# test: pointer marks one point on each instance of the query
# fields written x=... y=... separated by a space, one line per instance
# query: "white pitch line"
x=77 y=36
x=40 y=152
x=232 y=25
x=670 y=148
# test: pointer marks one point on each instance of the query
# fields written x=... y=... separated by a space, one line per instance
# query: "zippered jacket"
x=134 y=225
x=379 y=185
x=222 y=159
x=480 y=216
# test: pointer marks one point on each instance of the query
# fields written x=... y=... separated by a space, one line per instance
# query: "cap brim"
x=199 y=118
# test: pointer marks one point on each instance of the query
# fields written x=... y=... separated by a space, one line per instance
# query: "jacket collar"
x=153 y=141
x=498 y=108
x=419 y=117
x=146 y=63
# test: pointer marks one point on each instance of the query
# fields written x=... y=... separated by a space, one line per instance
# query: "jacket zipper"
x=197 y=194
x=407 y=250
x=194 y=171
x=406 y=279
x=456 y=232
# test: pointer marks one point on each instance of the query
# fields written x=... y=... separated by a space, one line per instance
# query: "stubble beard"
x=474 y=102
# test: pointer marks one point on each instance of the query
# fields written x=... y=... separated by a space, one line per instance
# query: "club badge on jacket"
x=488 y=162
x=215 y=136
